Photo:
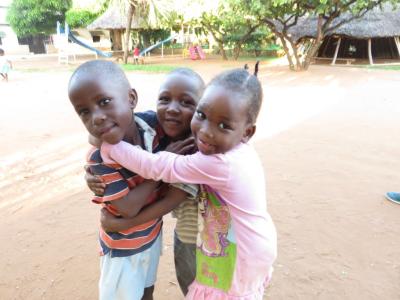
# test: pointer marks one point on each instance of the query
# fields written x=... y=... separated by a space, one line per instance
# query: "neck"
x=133 y=137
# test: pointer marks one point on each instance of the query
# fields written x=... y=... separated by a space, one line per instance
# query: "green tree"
x=230 y=24
x=33 y=17
x=80 y=18
x=281 y=15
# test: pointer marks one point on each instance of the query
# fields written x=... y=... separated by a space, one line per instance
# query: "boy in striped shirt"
x=104 y=100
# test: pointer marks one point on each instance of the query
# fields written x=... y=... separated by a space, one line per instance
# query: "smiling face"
x=177 y=100
x=106 y=109
x=221 y=121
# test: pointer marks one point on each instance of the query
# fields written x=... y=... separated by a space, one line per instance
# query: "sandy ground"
x=329 y=142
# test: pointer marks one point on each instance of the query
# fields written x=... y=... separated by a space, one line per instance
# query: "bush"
x=80 y=18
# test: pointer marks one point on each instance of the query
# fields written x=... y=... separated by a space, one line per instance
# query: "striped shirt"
x=119 y=181
x=186 y=215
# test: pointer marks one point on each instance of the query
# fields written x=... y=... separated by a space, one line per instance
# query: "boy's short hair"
x=190 y=73
x=106 y=70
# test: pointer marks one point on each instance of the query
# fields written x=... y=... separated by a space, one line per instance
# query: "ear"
x=249 y=132
x=133 y=98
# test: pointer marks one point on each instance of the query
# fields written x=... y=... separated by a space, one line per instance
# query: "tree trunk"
x=223 y=52
x=314 y=48
x=295 y=54
x=236 y=51
x=131 y=10
x=286 y=49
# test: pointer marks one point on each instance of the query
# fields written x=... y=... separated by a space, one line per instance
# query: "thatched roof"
x=375 y=23
x=114 y=17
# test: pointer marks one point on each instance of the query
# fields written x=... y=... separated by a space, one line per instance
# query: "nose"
x=173 y=107
x=98 y=117
x=206 y=129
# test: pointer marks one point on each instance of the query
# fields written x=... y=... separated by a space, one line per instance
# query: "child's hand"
x=95 y=183
x=182 y=147
x=109 y=222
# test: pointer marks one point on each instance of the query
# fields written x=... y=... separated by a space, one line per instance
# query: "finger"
x=93 y=178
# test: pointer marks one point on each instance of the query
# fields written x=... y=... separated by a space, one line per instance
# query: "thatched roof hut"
x=114 y=17
x=375 y=35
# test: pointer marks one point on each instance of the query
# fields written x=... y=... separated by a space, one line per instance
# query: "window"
x=96 y=38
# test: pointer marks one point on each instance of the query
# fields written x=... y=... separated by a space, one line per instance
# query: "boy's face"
x=221 y=121
x=177 y=100
x=106 y=109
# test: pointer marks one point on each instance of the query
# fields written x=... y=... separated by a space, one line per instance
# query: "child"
x=104 y=100
x=136 y=52
x=5 y=65
x=177 y=100
x=237 y=244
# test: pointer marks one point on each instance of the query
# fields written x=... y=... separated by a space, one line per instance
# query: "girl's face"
x=221 y=121
x=104 y=108
x=177 y=100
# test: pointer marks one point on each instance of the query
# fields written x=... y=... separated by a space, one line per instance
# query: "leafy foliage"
x=80 y=18
x=281 y=15
x=32 y=17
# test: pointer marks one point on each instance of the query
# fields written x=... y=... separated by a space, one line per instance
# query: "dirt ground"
x=329 y=142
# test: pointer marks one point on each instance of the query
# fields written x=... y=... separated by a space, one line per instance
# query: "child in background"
x=104 y=100
x=5 y=65
x=237 y=244
x=177 y=100
x=136 y=52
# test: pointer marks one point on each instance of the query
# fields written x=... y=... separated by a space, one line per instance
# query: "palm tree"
x=154 y=11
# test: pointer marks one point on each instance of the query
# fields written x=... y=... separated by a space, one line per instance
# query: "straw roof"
x=114 y=17
x=375 y=23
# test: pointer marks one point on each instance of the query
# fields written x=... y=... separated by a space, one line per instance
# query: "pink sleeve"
x=197 y=168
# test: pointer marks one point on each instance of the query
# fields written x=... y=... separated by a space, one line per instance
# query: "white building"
x=8 y=39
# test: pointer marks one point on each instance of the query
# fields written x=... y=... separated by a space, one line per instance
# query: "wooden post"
x=371 y=62
x=336 y=51
x=397 y=42
x=162 y=49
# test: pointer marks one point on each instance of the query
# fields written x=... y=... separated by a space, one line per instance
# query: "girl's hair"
x=248 y=85
x=190 y=73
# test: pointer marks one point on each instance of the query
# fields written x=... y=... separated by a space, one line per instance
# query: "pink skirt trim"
x=198 y=291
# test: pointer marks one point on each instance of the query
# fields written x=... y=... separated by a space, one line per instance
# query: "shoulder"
x=93 y=156
x=149 y=116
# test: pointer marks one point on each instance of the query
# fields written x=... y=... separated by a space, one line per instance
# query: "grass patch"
x=149 y=68
x=260 y=58
x=392 y=68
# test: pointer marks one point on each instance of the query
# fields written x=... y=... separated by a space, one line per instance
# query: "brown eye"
x=104 y=101
x=200 y=115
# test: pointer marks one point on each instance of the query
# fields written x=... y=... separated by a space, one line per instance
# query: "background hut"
x=375 y=36
x=114 y=19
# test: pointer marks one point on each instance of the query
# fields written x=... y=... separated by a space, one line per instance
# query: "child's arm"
x=172 y=199
x=213 y=170
x=129 y=205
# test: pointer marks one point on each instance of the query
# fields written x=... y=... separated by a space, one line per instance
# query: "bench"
x=347 y=60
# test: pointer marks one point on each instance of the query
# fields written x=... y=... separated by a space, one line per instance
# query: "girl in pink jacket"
x=237 y=241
